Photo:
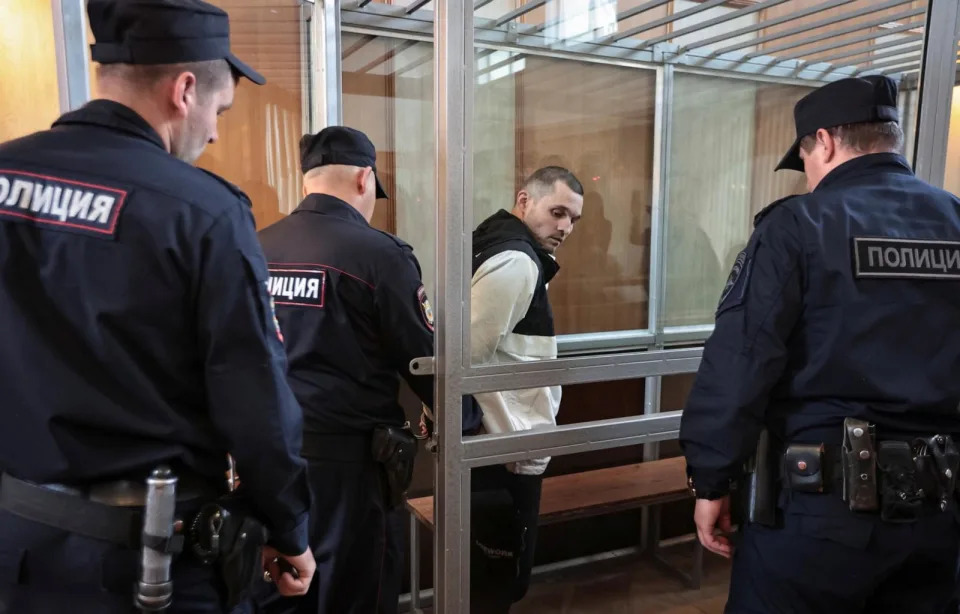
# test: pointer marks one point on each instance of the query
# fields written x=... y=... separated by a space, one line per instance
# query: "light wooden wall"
x=28 y=71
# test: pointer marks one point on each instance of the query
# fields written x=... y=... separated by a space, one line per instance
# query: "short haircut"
x=865 y=137
x=211 y=75
x=543 y=181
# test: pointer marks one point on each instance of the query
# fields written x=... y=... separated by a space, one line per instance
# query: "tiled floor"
x=628 y=587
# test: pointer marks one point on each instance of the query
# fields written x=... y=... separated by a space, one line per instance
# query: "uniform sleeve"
x=500 y=295
x=406 y=319
x=746 y=355
x=250 y=402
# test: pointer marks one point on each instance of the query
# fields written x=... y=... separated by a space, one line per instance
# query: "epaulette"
x=400 y=242
x=763 y=212
x=233 y=188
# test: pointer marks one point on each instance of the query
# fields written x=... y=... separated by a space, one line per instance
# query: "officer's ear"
x=363 y=179
x=829 y=144
x=184 y=92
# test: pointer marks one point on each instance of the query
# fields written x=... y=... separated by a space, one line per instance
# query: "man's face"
x=198 y=127
x=550 y=217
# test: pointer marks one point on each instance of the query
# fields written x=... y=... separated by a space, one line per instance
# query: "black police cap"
x=847 y=101
x=339 y=145
x=162 y=32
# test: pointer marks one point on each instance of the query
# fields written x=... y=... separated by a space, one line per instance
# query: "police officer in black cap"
x=139 y=332
x=837 y=349
x=354 y=313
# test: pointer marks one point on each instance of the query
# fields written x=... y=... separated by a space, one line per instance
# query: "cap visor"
x=791 y=161
x=245 y=70
x=381 y=193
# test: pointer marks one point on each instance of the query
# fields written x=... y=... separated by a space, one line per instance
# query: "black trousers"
x=847 y=564
x=45 y=570
x=356 y=540
x=504 y=512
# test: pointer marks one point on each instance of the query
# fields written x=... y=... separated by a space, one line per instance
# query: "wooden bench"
x=586 y=494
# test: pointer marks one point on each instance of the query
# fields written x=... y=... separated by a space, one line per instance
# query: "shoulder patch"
x=735 y=289
x=763 y=212
x=298 y=287
x=425 y=310
x=233 y=188
x=876 y=257
x=62 y=204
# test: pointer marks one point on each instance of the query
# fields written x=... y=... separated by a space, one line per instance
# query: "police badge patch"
x=425 y=310
x=276 y=323
x=738 y=266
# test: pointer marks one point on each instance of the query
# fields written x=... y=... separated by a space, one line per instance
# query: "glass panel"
x=388 y=94
x=729 y=133
x=572 y=82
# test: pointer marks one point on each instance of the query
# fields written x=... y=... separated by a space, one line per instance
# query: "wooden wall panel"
x=30 y=100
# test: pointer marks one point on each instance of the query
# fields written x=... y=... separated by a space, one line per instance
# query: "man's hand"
x=709 y=515
x=287 y=585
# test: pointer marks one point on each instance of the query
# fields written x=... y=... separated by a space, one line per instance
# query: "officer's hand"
x=287 y=584
x=709 y=515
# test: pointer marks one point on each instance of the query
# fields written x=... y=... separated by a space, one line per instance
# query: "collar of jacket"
x=112 y=115
x=331 y=205
x=869 y=164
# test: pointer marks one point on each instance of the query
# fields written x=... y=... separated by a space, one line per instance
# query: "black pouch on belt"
x=225 y=533
x=900 y=494
x=395 y=448
x=803 y=467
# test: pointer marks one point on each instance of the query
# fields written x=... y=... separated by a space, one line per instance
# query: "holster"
x=859 y=466
x=761 y=490
x=225 y=533
x=395 y=448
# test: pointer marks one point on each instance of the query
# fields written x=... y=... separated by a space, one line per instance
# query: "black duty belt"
x=56 y=508
x=111 y=511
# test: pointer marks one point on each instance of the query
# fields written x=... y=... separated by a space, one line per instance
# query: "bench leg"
x=414 y=565
x=692 y=579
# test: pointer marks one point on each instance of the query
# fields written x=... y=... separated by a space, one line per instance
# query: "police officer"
x=837 y=344
x=354 y=313
x=138 y=329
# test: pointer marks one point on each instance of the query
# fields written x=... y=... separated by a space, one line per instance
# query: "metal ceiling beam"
x=863 y=37
x=693 y=10
x=765 y=24
x=652 y=4
x=897 y=62
x=828 y=21
x=479 y=4
x=834 y=34
x=391 y=53
x=519 y=12
x=357 y=46
x=898 y=69
x=902 y=68
x=852 y=53
x=363 y=3
x=916 y=47
x=743 y=12
x=416 y=5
